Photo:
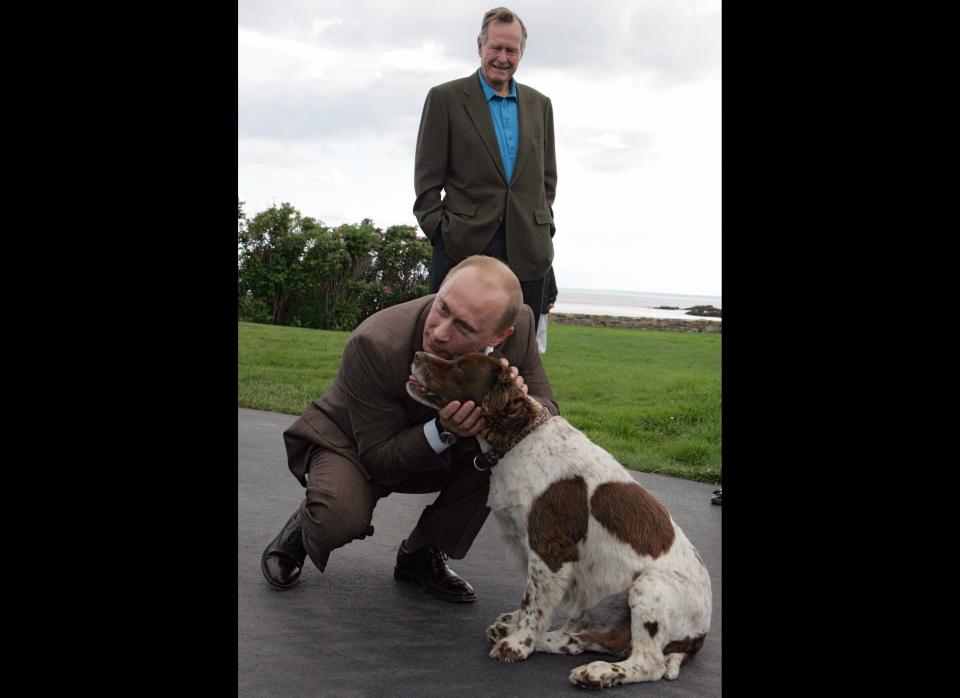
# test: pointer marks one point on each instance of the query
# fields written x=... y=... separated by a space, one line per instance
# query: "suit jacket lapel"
x=479 y=112
x=524 y=116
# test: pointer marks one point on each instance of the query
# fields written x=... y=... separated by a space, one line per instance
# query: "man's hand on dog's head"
x=464 y=419
x=514 y=373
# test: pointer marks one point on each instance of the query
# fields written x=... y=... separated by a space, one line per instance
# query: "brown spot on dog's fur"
x=508 y=654
x=557 y=521
x=564 y=649
x=634 y=516
x=526 y=600
x=688 y=645
x=468 y=377
x=652 y=628
x=528 y=641
x=506 y=410
x=616 y=640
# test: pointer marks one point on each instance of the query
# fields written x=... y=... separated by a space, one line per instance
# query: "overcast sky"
x=330 y=94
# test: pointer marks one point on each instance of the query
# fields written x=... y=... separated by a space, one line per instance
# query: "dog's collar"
x=489 y=459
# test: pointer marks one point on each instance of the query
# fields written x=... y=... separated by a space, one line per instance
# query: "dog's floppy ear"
x=506 y=409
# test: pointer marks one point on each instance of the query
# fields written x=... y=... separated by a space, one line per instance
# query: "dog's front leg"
x=544 y=592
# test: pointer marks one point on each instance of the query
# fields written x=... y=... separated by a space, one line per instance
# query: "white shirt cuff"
x=433 y=436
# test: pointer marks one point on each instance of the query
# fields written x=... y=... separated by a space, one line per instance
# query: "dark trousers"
x=497 y=247
x=339 y=502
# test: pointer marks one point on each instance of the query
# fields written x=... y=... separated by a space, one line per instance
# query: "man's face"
x=500 y=54
x=464 y=317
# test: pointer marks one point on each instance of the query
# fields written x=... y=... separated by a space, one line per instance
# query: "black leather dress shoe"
x=282 y=560
x=428 y=567
x=717 y=497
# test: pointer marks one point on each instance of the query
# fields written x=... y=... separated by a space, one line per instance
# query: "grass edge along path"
x=650 y=398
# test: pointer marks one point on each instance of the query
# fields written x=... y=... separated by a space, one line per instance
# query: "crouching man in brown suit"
x=367 y=438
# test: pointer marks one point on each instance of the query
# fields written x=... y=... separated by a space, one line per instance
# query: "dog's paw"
x=512 y=649
x=597 y=675
x=673 y=662
x=499 y=630
x=505 y=624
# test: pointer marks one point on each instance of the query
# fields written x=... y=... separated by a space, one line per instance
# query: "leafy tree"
x=295 y=270
x=403 y=262
x=337 y=259
x=272 y=249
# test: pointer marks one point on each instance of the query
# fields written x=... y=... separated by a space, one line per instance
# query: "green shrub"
x=294 y=270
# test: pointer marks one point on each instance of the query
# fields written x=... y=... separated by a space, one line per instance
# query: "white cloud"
x=320 y=27
x=330 y=95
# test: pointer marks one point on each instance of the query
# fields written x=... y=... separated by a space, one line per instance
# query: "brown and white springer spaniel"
x=592 y=540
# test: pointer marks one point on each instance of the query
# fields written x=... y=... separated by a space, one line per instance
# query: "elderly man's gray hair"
x=502 y=14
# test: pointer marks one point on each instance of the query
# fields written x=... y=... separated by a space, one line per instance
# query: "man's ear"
x=501 y=336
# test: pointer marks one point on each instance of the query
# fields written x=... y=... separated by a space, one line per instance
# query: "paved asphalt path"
x=354 y=631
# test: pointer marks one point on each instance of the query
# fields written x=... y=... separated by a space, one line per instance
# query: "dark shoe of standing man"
x=282 y=560
x=428 y=567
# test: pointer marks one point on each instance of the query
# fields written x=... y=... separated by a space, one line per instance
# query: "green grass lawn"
x=650 y=398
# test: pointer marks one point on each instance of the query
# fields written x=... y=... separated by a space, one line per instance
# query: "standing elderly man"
x=366 y=437
x=486 y=141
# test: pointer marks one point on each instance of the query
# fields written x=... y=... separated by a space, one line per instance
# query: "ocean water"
x=630 y=303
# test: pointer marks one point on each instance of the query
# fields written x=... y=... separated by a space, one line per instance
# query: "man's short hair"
x=492 y=269
x=502 y=14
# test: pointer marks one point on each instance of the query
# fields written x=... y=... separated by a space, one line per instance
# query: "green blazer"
x=457 y=152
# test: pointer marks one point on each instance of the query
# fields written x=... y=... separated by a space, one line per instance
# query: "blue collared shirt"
x=506 y=122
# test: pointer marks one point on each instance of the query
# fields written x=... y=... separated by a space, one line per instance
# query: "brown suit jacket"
x=367 y=415
x=457 y=152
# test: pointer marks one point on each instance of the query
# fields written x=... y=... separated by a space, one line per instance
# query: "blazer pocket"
x=461 y=208
x=543 y=216
x=327 y=432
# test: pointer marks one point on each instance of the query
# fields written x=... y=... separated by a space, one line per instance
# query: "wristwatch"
x=446 y=437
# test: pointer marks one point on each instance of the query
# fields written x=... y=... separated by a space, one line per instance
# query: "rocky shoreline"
x=639 y=323
x=701 y=310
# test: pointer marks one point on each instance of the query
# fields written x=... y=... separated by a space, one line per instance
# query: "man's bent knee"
x=327 y=525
